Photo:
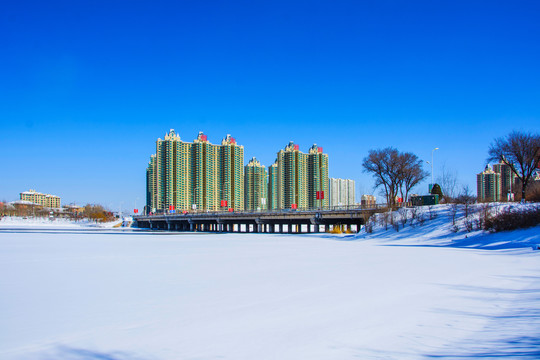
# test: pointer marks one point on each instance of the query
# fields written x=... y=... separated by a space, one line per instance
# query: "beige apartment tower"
x=488 y=185
x=301 y=180
x=272 y=202
x=195 y=176
x=256 y=187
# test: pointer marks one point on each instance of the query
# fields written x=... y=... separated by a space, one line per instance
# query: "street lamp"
x=432 y=151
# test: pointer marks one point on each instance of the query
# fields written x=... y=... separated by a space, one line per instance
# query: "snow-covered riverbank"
x=388 y=295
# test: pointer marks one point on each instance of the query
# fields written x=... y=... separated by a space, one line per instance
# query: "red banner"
x=171 y=207
x=223 y=203
x=231 y=209
x=320 y=149
x=135 y=211
x=322 y=195
x=294 y=206
x=296 y=147
x=318 y=195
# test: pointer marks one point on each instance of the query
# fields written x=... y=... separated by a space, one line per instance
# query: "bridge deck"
x=299 y=221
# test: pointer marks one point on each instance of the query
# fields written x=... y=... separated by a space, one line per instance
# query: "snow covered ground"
x=422 y=292
x=46 y=223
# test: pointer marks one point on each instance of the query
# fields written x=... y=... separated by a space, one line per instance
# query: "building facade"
x=256 y=186
x=508 y=181
x=301 y=180
x=273 y=186
x=488 y=185
x=342 y=192
x=45 y=200
x=368 y=200
x=195 y=176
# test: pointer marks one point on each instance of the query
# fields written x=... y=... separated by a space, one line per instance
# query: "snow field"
x=125 y=295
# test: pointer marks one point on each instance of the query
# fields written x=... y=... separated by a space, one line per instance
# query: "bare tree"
x=448 y=180
x=382 y=163
x=410 y=173
x=466 y=199
x=519 y=151
x=396 y=172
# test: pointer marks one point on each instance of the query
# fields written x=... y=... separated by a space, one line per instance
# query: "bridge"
x=277 y=221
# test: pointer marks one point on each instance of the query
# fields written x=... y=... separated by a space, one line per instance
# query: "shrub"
x=511 y=219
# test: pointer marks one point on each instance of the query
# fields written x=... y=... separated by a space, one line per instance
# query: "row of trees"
x=396 y=173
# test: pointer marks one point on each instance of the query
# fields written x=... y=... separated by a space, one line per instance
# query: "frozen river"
x=79 y=293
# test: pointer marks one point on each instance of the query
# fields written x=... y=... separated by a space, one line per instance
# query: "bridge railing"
x=374 y=207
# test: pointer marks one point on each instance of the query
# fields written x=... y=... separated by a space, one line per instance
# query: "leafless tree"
x=448 y=181
x=410 y=173
x=382 y=164
x=519 y=151
x=453 y=212
x=466 y=199
x=396 y=172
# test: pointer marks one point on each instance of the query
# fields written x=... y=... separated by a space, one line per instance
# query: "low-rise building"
x=45 y=200
x=368 y=200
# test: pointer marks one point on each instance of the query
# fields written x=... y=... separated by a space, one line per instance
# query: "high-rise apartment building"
x=45 y=200
x=272 y=202
x=231 y=173
x=301 y=179
x=292 y=177
x=318 y=187
x=342 y=192
x=197 y=175
x=256 y=186
x=508 y=180
x=488 y=185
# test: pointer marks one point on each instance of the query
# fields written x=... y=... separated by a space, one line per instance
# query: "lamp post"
x=432 y=151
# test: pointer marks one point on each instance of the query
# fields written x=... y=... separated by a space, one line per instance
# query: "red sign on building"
x=135 y=211
x=320 y=149
x=320 y=195
x=171 y=207
x=294 y=206
x=231 y=209
x=296 y=147
x=233 y=141
x=223 y=203
x=204 y=138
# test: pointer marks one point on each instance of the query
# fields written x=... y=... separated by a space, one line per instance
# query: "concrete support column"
x=289 y=228
x=308 y=228
x=327 y=228
x=280 y=227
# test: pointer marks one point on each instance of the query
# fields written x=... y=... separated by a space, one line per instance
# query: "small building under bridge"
x=259 y=222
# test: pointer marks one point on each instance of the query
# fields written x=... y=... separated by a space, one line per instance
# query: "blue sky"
x=87 y=87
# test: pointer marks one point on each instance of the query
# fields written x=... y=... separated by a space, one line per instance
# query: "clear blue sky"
x=87 y=87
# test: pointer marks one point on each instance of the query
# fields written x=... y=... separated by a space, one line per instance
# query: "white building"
x=342 y=192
